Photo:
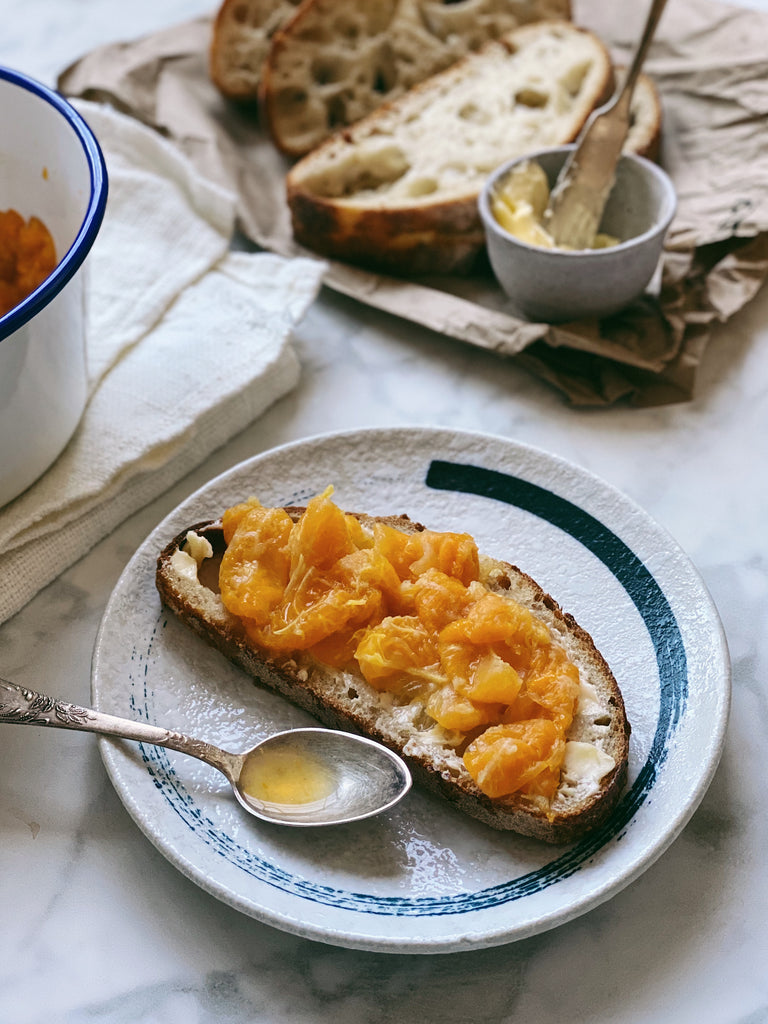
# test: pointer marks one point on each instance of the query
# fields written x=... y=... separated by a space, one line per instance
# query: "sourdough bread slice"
x=398 y=190
x=337 y=60
x=595 y=767
x=645 y=117
x=240 y=40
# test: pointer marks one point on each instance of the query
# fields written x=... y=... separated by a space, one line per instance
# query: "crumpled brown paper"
x=711 y=67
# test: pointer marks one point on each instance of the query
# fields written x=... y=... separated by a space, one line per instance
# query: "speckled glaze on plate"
x=424 y=878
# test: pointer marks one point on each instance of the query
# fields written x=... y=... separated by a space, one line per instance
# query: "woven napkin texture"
x=187 y=344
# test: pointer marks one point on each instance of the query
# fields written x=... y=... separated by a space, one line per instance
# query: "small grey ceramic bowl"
x=554 y=285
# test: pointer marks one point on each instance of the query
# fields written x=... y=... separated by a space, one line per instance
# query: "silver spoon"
x=308 y=776
x=584 y=183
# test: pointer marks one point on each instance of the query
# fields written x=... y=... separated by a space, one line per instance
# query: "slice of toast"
x=599 y=734
x=240 y=41
x=337 y=60
x=398 y=190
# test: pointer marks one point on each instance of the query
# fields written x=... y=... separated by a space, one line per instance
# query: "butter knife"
x=581 y=191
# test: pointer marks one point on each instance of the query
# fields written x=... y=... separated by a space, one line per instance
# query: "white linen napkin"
x=187 y=344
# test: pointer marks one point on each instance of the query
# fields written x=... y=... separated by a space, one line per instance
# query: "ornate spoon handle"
x=21 y=706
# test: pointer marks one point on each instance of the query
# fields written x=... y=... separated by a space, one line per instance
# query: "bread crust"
x=645 y=118
x=328 y=697
x=404 y=242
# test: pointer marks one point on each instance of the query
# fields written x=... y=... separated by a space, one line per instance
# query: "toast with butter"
x=498 y=701
x=398 y=190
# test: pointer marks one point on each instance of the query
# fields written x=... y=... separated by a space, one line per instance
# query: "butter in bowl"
x=553 y=285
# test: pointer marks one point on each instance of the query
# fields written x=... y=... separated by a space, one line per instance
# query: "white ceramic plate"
x=424 y=878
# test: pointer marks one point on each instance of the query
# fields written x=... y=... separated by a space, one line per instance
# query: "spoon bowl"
x=304 y=777
x=319 y=776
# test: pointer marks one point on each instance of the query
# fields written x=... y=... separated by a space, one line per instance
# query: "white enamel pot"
x=51 y=167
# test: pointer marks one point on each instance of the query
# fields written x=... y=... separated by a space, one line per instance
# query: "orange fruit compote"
x=27 y=257
x=410 y=613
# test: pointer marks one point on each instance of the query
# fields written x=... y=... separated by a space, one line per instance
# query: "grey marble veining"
x=98 y=928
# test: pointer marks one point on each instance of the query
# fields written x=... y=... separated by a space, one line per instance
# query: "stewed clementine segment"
x=324 y=534
x=436 y=598
x=408 y=610
x=36 y=255
x=545 y=783
x=507 y=757
x=494 y=619
x=452 y=553
x=27 y=257
x=317 y=602
x=481 y=674
x=398 y=646
x=454 y=711
x=553 y=683
x=336 y=650
x=319 y=607
x=412 y=555
x=255 y=566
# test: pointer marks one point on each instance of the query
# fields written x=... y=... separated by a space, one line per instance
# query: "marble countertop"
x=98 y=926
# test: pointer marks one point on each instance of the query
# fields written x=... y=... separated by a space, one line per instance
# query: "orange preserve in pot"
x=27 y=257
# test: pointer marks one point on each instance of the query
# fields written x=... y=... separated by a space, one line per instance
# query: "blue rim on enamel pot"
x=73 y=258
